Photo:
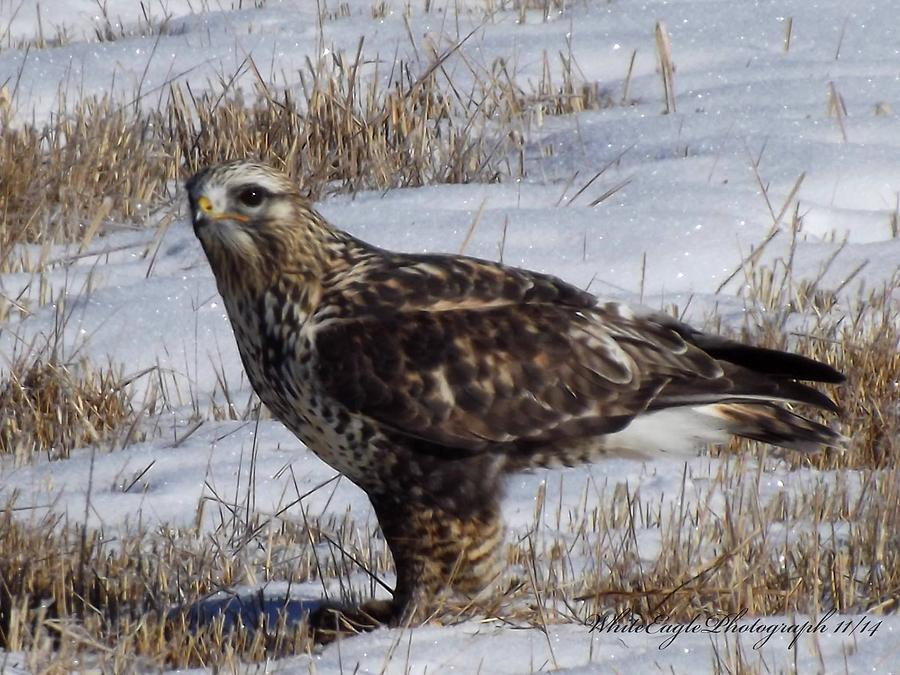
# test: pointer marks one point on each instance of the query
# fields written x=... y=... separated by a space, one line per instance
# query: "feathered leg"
x=438 y=552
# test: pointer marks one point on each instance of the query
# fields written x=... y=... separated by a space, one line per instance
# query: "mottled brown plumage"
x=425 y=378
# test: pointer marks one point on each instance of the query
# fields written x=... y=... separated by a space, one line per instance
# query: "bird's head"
x=238 y=205
x=250 y=217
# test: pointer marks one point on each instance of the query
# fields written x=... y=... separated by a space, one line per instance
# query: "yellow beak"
x=206 y=207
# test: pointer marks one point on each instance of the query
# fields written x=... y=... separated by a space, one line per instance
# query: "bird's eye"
x=252 y=196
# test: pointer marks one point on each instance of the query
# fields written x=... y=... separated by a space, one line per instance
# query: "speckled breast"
x=282 y=375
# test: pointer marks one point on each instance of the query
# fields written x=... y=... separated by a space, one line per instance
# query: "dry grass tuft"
x=544 y=8
x=61 y=180
x=350 y=131
x=865 y=344
x=566 y=93
x=51 y=408
x=345 y=133
x=832 y=549
x=68 y=597
x=107 y=27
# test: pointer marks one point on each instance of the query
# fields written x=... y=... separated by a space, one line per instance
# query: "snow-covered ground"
x=693 y=208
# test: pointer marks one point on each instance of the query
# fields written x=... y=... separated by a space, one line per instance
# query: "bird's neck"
x=283 y=264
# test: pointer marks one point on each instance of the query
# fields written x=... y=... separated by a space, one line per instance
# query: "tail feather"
x=680 y=431
x=770 y=423
x=769 y=362
x=746 y=387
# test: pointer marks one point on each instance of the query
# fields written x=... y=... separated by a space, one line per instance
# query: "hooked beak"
x=206 y=211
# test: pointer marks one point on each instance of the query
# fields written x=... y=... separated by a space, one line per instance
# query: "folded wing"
x=538 y=375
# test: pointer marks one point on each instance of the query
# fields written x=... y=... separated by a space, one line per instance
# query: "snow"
x=575 y=650
x=692 y=205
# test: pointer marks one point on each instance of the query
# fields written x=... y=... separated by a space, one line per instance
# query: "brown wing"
x=471 y=378
x=472 y=355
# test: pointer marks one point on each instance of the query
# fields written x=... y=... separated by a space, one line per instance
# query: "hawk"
x=425 y=379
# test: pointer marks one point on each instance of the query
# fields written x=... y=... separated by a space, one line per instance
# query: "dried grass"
x=346 y=133
x=349 y=126
x=107 y=27
x=58 y=180
x=70 y=599
x=51 y=408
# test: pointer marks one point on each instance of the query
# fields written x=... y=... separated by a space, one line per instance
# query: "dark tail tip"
x=773 y=362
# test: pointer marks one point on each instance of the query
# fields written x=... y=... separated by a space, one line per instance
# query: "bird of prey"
x=425 y=379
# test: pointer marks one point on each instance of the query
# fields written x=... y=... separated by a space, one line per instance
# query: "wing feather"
x=470 y=378
x=498 y=358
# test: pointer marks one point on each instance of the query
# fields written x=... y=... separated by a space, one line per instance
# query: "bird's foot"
x=331 y=620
